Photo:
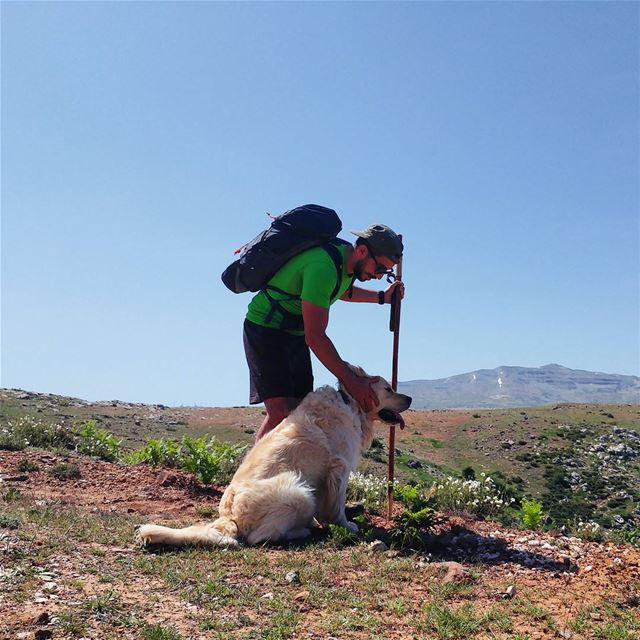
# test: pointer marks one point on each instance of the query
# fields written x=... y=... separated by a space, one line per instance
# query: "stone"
x=455 y=571
x=22 y=477
x=293 y=577
x=42 y=619
x=377 y=546
x=301 y=596
x=167 y=478
x=353 y=509
x=510 y=591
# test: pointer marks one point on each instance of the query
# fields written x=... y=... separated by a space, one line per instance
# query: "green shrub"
x=65 y=471
x=469 y=473
x=210 y=460
x=25 y=466
x=28 y=431
x=411 y=527
x=531 y=514
x=626 y=536
x=157 y=453
x=98 y=443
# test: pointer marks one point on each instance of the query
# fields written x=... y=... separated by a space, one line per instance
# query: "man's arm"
x=316 y=320
x=369 y=295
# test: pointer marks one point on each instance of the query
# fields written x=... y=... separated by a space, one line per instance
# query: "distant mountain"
x=522 y=387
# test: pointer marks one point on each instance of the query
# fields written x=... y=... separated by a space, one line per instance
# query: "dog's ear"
x=359 y=371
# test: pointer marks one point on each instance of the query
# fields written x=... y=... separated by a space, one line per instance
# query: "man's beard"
x=358 y=271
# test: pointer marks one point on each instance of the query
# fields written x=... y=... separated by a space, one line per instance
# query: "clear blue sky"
x=142 y=142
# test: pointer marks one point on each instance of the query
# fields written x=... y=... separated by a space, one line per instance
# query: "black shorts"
x=279 y=363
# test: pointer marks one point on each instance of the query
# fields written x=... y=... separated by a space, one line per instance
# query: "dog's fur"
x=297 y=472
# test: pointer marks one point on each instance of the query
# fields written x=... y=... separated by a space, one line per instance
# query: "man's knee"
x=281 y=407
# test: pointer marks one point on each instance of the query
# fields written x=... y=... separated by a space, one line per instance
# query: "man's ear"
x=361 y=251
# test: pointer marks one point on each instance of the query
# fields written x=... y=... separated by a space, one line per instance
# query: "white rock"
x=377 y=546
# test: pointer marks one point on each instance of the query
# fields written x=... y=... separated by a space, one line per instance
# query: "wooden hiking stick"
x=394 y=325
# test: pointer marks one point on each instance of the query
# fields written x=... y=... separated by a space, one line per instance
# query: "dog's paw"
x=353 y=527
x=144 y=535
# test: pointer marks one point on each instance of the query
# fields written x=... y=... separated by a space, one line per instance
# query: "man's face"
x=370 y=266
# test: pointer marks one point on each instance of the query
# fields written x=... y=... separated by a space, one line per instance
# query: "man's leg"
x=277 y=410
x=279 y=371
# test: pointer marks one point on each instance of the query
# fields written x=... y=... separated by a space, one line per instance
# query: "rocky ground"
x=69 y=568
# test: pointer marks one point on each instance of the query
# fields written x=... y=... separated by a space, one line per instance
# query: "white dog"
x=297 y=472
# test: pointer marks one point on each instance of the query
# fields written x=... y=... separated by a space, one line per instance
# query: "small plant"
x=104 y=606
x=65 y=471
x=159 y=632
x=376 y=451
x=367 y=489
x=205 y=511
x=98 y=443
x=412 y=496
x=477 y=497
x=12 y=495
x=9 y=522
x=626 y=536
x=411 y=527
x=531 y=514
x=26 y=466
x=341 y=536
x=588 y=531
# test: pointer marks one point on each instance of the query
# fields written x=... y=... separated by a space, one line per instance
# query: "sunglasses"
x=380 y=269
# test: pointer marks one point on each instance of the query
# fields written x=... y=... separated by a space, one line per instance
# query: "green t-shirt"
x=312 y=276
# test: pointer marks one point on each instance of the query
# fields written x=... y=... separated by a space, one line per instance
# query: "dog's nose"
x=409 y=400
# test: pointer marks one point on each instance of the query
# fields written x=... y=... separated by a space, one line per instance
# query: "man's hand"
x=388 y=292
x=360 y=390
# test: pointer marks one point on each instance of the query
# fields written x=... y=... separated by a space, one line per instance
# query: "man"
x=291 y=316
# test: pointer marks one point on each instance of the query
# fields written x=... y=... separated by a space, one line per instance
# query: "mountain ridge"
x=510 y=386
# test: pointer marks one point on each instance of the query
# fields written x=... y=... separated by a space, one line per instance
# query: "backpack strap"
x=293 y=320
x=336 y=255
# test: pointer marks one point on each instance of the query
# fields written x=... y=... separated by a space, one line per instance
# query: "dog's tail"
x=222 y=532
x=278 y=508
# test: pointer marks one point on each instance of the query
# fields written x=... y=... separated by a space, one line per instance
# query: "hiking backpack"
x=288 y=235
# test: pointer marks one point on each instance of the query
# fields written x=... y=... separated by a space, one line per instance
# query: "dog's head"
x=390 y=403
